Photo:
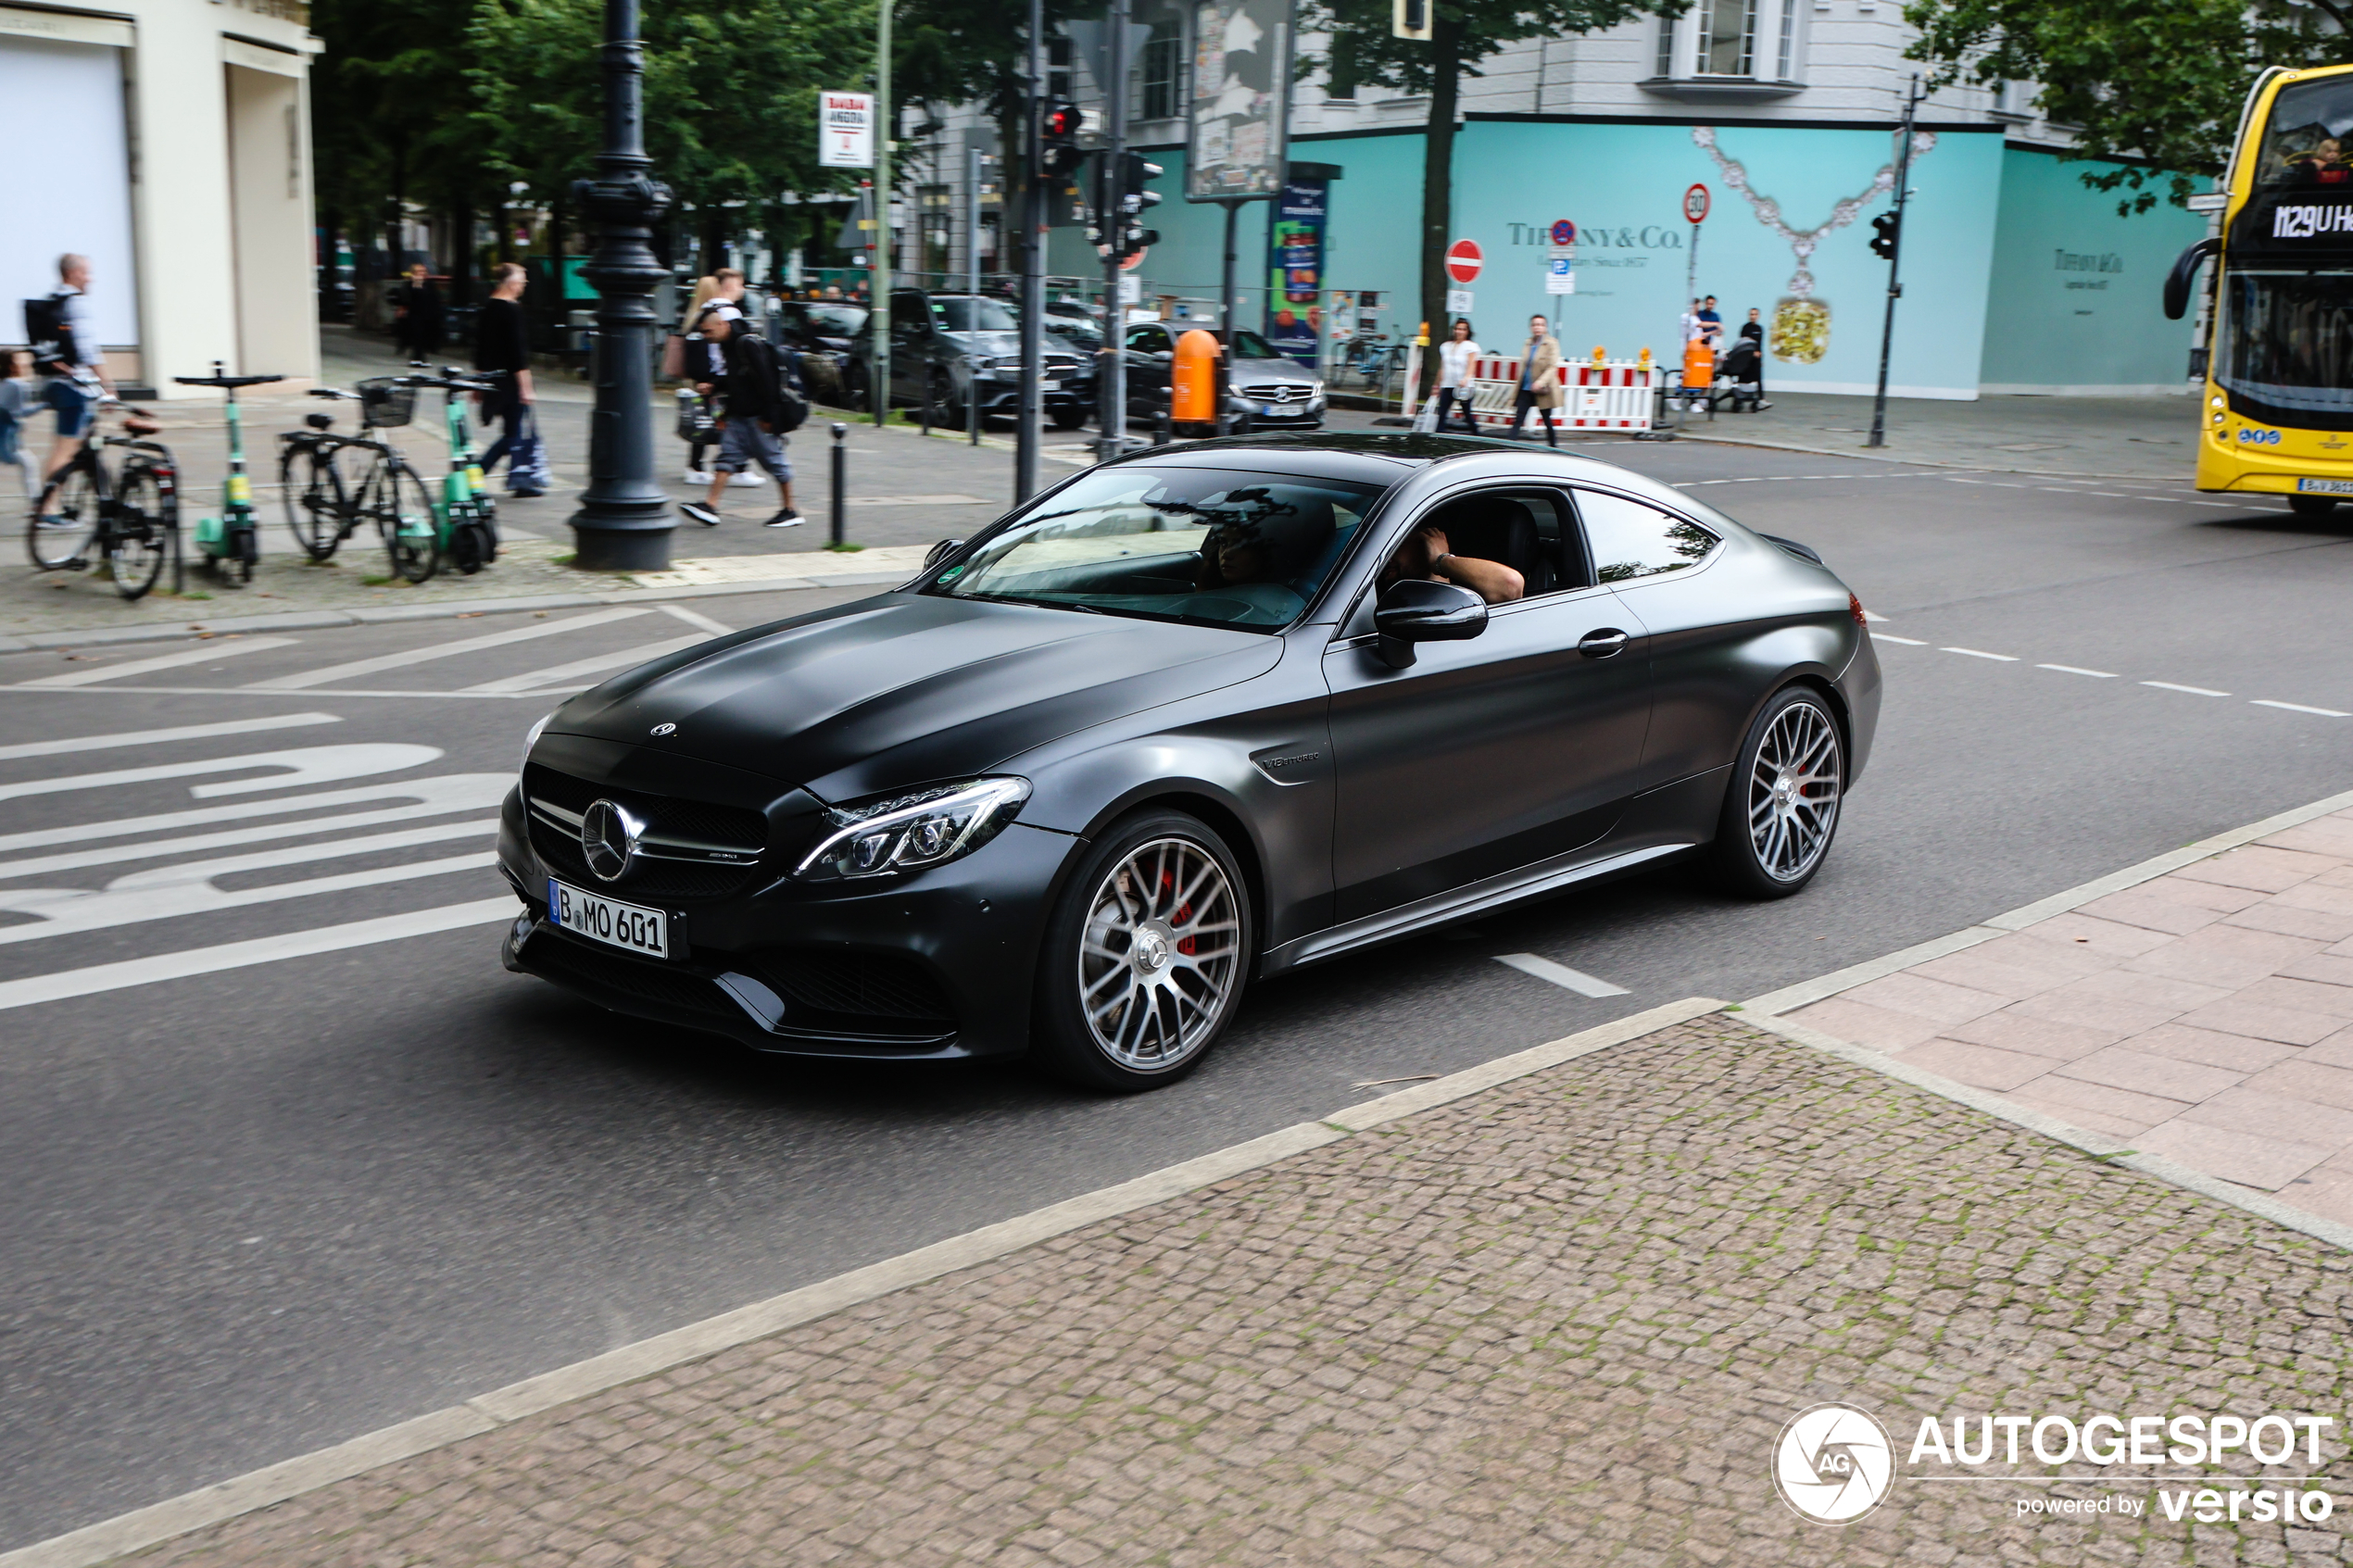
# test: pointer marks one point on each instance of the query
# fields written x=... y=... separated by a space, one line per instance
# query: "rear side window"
x=1630 y=539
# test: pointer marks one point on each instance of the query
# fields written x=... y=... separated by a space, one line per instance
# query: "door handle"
x=1602 y=643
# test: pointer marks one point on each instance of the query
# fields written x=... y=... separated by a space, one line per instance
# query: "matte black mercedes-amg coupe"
x=1192 y=716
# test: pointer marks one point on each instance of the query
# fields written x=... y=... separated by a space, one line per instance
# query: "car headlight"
x=907 y=832
x=981 y=364
x=531 y=740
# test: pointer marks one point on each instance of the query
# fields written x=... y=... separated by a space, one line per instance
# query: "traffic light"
x=1057 y=150
x=1884 y=244
x=1120 y=203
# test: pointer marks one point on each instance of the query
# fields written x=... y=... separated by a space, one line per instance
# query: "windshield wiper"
x=1042 y=604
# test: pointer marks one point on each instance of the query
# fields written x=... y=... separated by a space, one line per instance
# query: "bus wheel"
x=2311 y=505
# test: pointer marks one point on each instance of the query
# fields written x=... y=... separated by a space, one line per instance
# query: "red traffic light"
x=1060 y=121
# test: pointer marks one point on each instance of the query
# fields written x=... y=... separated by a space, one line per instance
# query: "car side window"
x=1147 y=339
x=1633 y=539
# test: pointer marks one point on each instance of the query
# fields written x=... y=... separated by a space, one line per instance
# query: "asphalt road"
x=262 y=1208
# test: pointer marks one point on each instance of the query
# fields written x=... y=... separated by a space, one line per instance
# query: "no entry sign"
x=1695 y=204
x=1463 y=258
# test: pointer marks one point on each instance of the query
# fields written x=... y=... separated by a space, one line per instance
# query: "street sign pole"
x=1895 y=289
x=1695 y=205
x=885 y=121
x=1111 y=221
x=1030 y=402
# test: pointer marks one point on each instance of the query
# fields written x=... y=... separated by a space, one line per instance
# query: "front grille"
x=562 y=959
x=665 y=816
x=864 y=984
x=1280 y=392
x=1061 y=365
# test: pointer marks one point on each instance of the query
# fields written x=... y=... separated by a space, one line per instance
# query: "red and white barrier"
x=1617 y=395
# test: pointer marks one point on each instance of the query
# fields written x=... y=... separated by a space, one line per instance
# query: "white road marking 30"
x=1561 y=975
x=156 y=737
x=208 y=654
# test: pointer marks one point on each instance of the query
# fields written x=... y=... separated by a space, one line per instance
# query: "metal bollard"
x=841 y=483
x=972 y=410
x=926 y=402
x=1161 y=433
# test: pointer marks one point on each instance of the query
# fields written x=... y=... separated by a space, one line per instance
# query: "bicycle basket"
x=383 y=405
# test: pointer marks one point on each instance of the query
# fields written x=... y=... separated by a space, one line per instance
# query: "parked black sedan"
x=1192 y=716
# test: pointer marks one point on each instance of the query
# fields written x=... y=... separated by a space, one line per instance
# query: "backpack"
x=53 y=351
x=792 y=397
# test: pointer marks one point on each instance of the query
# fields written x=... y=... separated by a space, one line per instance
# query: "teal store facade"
x=2017 y=277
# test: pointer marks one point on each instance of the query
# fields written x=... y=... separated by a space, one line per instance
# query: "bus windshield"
x=2288 y=346
x=2309 y=139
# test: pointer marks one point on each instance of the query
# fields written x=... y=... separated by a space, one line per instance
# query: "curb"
x=258 y=1489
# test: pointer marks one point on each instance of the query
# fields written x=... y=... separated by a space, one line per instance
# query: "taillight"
x=1854 y=609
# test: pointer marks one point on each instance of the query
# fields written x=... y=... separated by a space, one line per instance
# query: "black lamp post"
x=623 y=523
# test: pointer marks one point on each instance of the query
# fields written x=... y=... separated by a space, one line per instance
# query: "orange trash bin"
x=1192 y=385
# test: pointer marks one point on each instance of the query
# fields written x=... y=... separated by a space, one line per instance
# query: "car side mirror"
x=941 y=551
x=1415 y=609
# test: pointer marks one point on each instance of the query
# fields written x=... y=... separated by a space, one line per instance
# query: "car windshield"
x=965 y=314
x=1207 y=547
x=2307 y=141
x=1250 y=346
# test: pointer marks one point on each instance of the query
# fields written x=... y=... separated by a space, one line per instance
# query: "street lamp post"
x=623 y=523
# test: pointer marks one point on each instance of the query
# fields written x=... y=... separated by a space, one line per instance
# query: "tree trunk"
x=1438 y=177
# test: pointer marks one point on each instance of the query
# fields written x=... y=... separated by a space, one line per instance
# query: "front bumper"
x=928 y=967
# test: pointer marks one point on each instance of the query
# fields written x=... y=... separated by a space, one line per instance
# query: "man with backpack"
x=761 y=399
x=64 y=335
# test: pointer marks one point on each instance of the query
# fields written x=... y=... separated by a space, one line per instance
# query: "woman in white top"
x=1454 y=356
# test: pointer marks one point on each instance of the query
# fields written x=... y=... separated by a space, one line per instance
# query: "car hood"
x=907 y=688
x=1001 y=344
x=1272 y=370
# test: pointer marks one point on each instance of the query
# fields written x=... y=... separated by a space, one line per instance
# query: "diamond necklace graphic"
x=1768 y=212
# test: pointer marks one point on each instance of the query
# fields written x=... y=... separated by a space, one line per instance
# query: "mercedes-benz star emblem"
x=608 y=839
x=665 y=728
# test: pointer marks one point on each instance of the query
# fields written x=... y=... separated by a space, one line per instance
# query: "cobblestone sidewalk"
x=1558 y=1322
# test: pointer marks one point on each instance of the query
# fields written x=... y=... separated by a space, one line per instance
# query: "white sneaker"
x=698 y=476
x=748 y=480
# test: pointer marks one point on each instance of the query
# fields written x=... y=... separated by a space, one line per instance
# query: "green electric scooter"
x=465 y=517
x=232 y=537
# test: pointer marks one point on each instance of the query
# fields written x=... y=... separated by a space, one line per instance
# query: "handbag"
x=528 y=470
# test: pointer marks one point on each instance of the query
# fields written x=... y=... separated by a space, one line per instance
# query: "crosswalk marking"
x=310 y=764
x=209 y=653
x=1561 y=975
x=156 y=737
x=37 y=988
x=696 y=618
x=308 y=677
x=590 y=666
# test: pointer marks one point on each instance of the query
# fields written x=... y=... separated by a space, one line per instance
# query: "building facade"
x=168 y=141
x=2018 y=278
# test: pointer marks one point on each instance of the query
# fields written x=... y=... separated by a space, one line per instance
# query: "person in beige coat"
x=1540 y=384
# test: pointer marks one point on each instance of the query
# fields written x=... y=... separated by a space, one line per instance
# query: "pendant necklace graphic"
x=1802 y=323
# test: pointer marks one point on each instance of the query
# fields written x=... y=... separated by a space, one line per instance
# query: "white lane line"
x=555 y=673
x=156 y=737
x=1891 y=637
x=443 y=789
x=39 y=988
x=2193 y=691
x=2111 y=495
x=308 y=677
x=1981 y=653
x=1560 y=974
x=309 y=764
x=338 y=693
x=2079 y=670
x=2299 y=708
x=696 y=618
x=205 y=655
x=1871 y=617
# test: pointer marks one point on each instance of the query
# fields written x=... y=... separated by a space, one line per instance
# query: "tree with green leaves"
x=391 y=112
x=2154 y=86
x=1463 y=34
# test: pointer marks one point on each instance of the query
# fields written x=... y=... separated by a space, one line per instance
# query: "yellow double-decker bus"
x=2277 y=417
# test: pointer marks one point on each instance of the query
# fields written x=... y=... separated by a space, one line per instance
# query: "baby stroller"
x=1740 y=379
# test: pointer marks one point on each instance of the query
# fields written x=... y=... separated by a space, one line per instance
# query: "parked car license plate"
x=1050 y=387
x=2326 y=486
x=609 y=920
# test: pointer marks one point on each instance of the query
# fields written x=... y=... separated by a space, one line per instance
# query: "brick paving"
x=2206 y=1015
x=1559 y=1322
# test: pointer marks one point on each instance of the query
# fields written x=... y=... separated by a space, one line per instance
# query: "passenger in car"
x=1266 y=540
x=1427 y=554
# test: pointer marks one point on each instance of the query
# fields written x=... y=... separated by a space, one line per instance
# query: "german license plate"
x=1050 y=387
x=2326 y=486
x=609 y=920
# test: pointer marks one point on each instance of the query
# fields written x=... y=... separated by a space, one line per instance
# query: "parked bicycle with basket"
x=125 y=518
x=332 y=484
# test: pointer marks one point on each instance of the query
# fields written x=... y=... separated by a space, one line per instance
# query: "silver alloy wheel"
x=1794 y=791
x=1160 y=956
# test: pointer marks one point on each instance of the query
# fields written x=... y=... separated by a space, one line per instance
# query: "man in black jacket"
x=502 y=342
x=751 y=406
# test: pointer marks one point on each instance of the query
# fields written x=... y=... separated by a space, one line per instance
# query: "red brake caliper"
x=1184 y=913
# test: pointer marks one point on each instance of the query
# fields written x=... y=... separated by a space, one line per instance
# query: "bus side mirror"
x=2185 y=274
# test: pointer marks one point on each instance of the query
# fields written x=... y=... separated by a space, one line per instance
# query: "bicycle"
x=326 y=501
x=232 y=536
x=131 y=517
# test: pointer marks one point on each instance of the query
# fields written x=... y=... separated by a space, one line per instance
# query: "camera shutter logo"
x=1832 y=1463
x=608 y=839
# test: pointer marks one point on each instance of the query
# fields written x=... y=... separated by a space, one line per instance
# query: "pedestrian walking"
x=502 y=346
x=64 y=334
x=761 y=398
x=1745 y=361
x=1540 y=381
x=687 y=357
x=418 y=320
x=20 y=399
x=1454 y=356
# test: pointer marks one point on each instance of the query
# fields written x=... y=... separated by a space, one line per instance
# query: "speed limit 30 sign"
x=1695 y=204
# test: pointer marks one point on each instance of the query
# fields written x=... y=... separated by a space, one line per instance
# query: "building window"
x=1058 y=58
x=1726 y=38
x=1741 y=47
x=1163 y=68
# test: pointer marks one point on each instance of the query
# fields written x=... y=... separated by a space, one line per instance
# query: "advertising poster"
x=1295 y=269
x=1241 y=105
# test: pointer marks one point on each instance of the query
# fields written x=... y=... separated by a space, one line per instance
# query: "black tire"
x=73 y=495
x=143 y=533
x=403 y=513
x=1144 y=888
x=248 y=551
x=1782 y=803
x=2311 y=505
x=311 y=487
x=465 y=549
x=947 y=408
x=854 y=390
x=1067 y=418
